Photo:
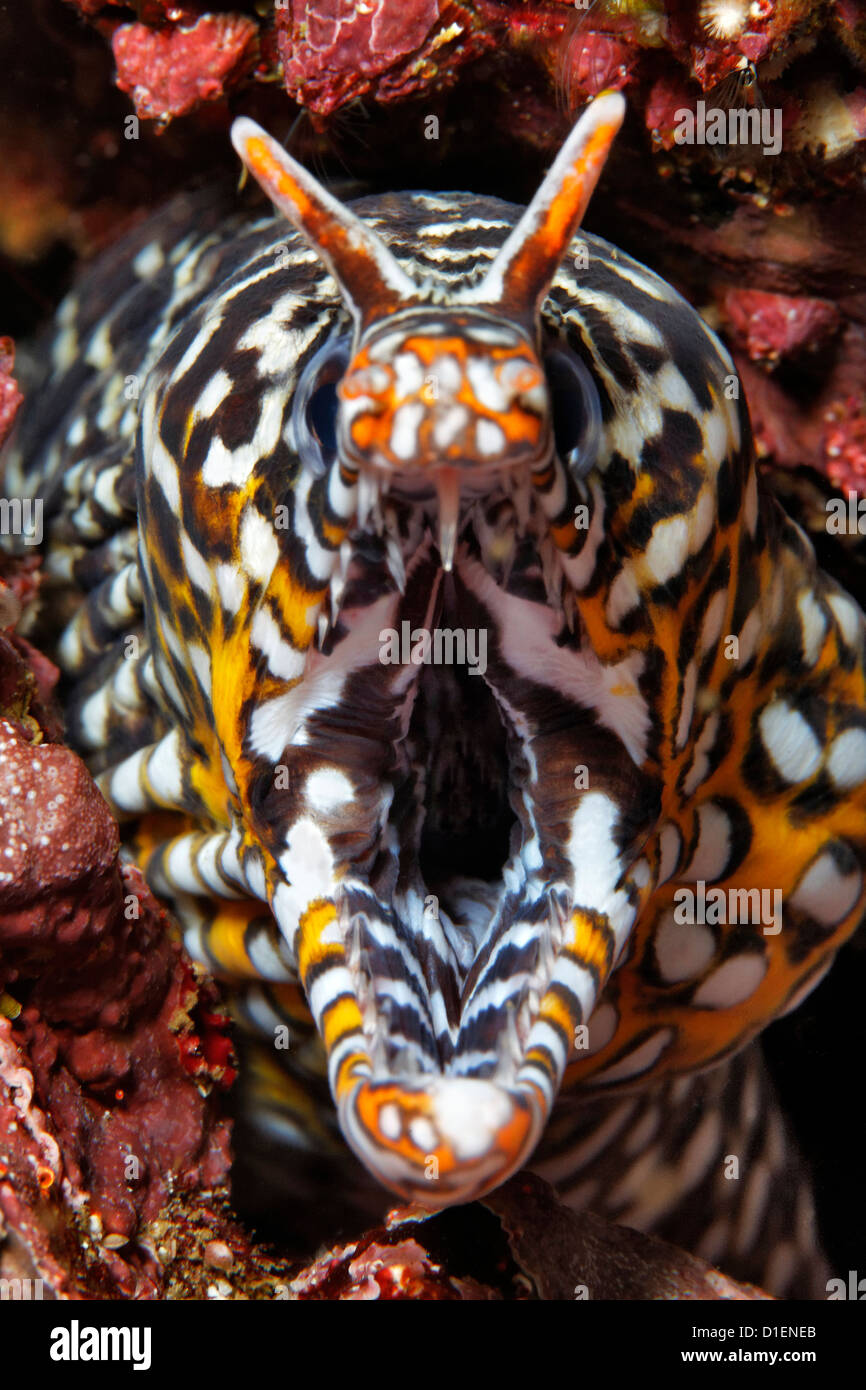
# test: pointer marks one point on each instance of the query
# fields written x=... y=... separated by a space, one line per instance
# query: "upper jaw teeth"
x=448 y=493
x=499 y=517
x=370 y=493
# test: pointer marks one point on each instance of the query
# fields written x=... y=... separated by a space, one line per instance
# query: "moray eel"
x=422 y=615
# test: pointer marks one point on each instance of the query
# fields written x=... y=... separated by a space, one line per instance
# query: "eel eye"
x=314 y=409
x=575 y=408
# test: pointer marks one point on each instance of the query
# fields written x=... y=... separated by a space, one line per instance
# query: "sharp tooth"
x=530 y=1001
x=353 y=944
x=324 y=628
x=338 y=586
x=378 y=1052
x=560 y=911
x=410 y=1062
x=508 y=1049
x=394 y=559
x=338 y=582
x=448 y=489
x=546 y=951
x=358 y=957
x=368 y=497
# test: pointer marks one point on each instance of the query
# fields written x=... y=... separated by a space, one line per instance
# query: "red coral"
x=384 y=1265
x=10 y=396
x=667 y=96
x=27 y=678
x=58 y=844
x=845 y=445
x=713 y=39
x=112 y=1020
x=774 y=326
x=594 y=61
x=335 y=50
x=170 y=72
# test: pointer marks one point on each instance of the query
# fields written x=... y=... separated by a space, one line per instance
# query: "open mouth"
x=440 y=731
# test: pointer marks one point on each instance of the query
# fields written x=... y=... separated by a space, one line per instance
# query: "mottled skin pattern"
x=681 y=693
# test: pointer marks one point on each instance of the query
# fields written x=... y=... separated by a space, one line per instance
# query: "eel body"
x=489 y=729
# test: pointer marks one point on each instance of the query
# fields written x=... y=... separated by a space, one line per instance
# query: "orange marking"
x=340 y=1018
x=310 y=948
x=590 y=944
x=578 y=186
x=267 y=170
x=510 y=1140
x=554 y=1011
x=224 y=938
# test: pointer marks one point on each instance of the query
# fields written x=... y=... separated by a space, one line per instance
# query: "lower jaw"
x=445 y=1139
x=440 y=1129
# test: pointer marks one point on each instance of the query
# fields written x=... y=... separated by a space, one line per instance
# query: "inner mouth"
x=468 y=816
x=461 y=821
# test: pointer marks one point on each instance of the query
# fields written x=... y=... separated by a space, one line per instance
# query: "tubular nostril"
x=443 y=1140
x=519 y=377
x=375 y=381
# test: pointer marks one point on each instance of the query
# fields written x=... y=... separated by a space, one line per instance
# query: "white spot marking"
x=846 y=758
x=259 y=547
x=683 y=949
x=824 y=893
x=814 y=626
x=713 y=850
x=490 y=436
x=640 y=1059
x=404 y=435
x=792 y=746
x=469 y=1114
x=732 y=983
x=327 y=790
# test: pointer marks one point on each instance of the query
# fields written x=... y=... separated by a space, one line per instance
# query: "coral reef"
x=113 y=1051
x=334 y=52
x=10 y=396
x=168 y=73
x=110 y=1045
